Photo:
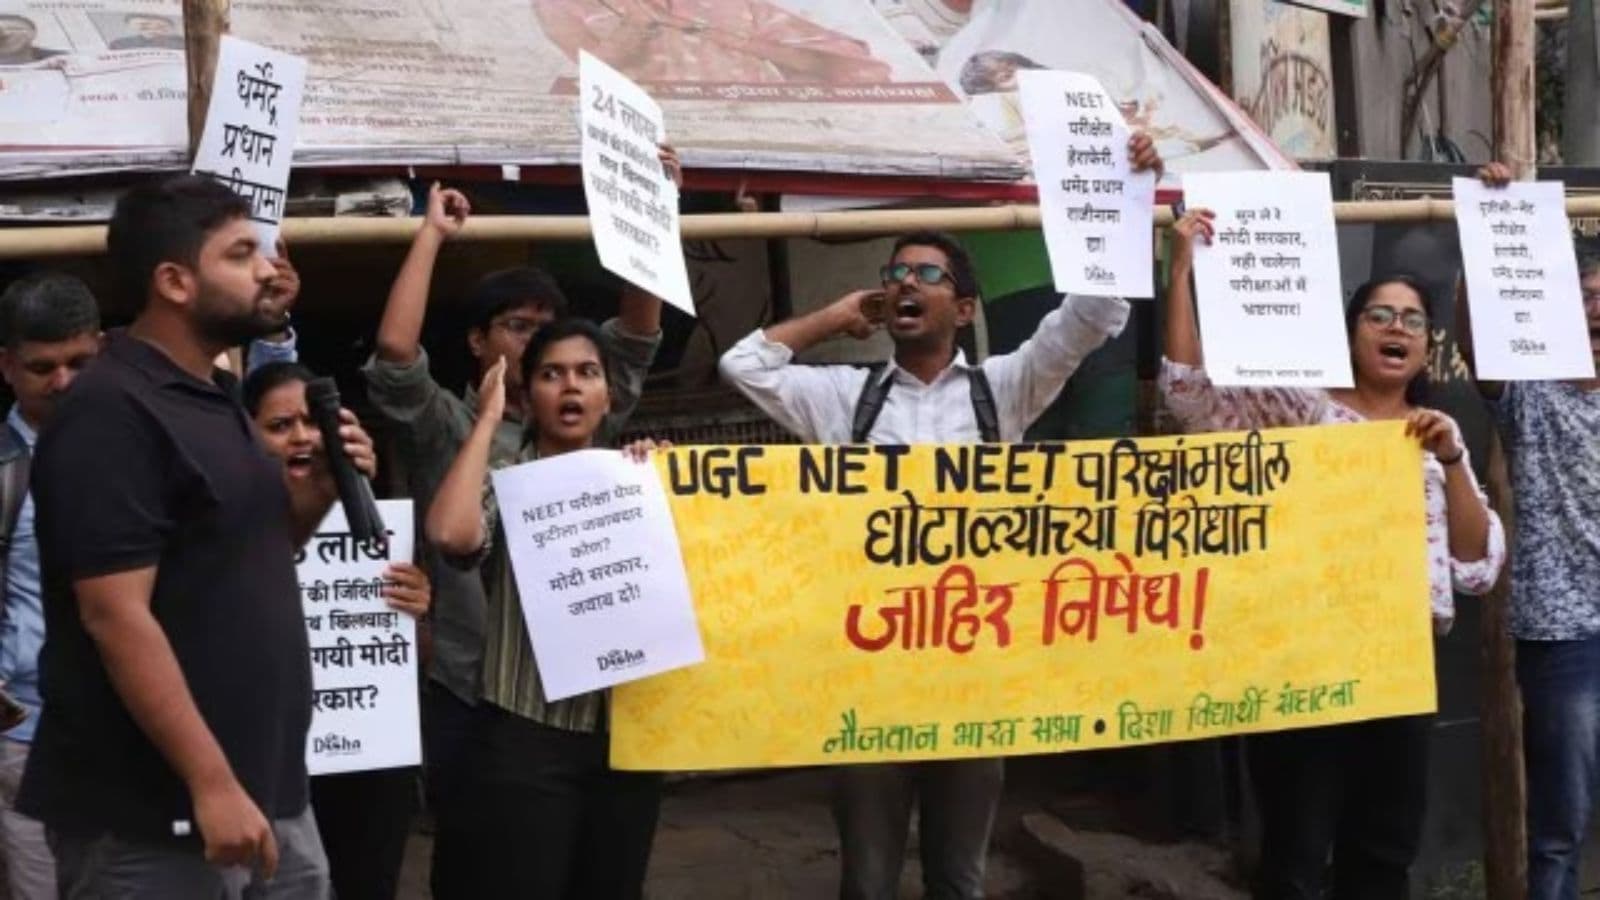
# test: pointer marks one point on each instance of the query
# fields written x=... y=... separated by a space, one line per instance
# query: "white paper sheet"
x=363 y=653
x=633 y=205
x=1528 y=322
x=1097 y=211
x=248 y=141
x=598 y=569
x=1270 y=304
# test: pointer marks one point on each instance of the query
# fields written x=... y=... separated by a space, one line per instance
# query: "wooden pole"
x=204 y=24
x=89 y=240
x=1505 y=848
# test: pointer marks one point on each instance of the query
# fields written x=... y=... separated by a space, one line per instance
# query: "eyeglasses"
x=1591 y=297
x=517 y=326
x=1414 y=321
x=927 y=273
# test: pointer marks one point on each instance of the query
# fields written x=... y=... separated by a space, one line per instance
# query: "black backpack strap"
x=873 y=394
x=983 y=406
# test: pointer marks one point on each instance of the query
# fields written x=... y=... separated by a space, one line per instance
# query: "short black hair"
x=1417 y=389
x=961 y=272
x=167 y=221
x=560 y=330
x=268 y=378
x=509 y=289
x=47 y=307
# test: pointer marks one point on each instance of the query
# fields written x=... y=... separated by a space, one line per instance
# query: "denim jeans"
x=957 y=801
x=1560 y=682
x=1355 y=794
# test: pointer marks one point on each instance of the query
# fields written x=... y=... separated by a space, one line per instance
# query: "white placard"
x=1097 y=211
x=633 y=204
x=363 y=653
x=248 y=141
x=599 y=571
x=1271 y=308
x=1528 y=322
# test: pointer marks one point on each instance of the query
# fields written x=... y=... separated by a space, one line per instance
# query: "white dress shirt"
x=818 y=403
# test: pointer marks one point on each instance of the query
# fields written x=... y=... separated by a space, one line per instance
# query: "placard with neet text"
x=1269 y=300
x=249 y=136
x=1528 y=321
x=598 y=570
x=885 y=603
x=1096 y=210
x=633 y=204
x=363 y=653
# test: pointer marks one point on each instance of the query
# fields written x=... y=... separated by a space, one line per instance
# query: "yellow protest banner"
x=863 y=604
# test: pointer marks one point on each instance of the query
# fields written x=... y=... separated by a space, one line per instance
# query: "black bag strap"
x=983 y=405
x=875 y=392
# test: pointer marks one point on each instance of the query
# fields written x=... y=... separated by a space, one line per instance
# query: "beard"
x=230 y=323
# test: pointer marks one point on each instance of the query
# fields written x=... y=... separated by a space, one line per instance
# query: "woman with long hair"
x=554 y=819
x=1355 y=792
x=364 y=817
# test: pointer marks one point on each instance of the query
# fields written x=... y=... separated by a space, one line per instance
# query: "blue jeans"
x=1560 y=683
x=872 y=806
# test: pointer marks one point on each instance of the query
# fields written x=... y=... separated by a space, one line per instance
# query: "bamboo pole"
x=89 y=240
x=1505 y=848
x=204 y=24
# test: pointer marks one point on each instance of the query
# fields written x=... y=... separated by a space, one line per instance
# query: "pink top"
x=1200 y=405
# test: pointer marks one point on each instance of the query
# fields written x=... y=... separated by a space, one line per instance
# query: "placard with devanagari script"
x=363 y=653
x=633 y=204
x=604 y=592
x=248 y=141
x=1528 y=321
x=1097 y=211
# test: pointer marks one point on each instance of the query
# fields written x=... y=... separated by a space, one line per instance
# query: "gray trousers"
x=956 y=801
x=30 y=869
x=107 y=867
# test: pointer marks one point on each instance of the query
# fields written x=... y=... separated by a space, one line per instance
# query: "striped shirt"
x=510 y=674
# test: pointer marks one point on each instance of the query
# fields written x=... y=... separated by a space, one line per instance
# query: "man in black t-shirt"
x=170 y=757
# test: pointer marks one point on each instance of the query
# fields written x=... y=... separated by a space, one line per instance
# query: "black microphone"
x=355 y=495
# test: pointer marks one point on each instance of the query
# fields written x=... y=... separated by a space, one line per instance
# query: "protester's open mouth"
x=1393 y=350
x=570 y=412
x=908 y=309
x=299 y=464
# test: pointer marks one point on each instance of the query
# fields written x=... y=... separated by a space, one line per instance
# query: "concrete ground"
x=769 y=836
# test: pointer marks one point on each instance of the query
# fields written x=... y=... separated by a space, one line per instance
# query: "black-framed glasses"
x=519 y=326
x=1590 y=298
x=927 y=273
x=1414 y=321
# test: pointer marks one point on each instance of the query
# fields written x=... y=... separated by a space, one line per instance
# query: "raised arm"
x=115 y=610
x=1182 y=332
x=1197 y=403
x=455 y=517
x=803 y=399
x=400 y=331
x=842 y=316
